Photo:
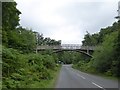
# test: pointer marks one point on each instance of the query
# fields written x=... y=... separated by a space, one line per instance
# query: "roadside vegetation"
x=22 y=67
x=106 y=57
x=27 y=70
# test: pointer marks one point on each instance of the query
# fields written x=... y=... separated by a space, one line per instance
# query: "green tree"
x=103 y=56
x=10 y=19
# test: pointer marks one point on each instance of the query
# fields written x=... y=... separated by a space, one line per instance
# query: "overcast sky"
x=67 y=20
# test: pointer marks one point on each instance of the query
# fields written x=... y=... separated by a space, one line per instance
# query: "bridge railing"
x=66 y=46
x=88 y=47
x=42 y=47
x=70 y=46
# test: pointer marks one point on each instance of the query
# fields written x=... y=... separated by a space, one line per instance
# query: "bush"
x=11 y=61
x=21 y=70
x=49 y=62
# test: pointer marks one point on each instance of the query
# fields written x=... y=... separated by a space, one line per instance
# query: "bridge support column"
x=87 y=50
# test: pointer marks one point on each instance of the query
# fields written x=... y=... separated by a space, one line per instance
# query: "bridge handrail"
x=49 y=47
x=67 y=46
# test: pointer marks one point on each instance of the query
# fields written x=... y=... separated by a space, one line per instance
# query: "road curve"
x=71 y=78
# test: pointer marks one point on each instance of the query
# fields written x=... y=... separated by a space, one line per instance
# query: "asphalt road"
x=71 y=78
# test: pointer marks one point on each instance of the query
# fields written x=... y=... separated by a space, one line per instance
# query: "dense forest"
x=21 y=66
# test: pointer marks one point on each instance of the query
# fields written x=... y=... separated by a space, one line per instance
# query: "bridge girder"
x=77 y=50
x=67 y=47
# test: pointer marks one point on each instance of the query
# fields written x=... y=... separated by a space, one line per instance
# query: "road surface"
x=71 y=78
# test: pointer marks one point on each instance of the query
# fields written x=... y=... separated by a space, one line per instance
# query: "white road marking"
x=77 y=74
x=81 y=76
x=98 y=86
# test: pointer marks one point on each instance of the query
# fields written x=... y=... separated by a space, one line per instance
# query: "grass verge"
x=53 y=82
x=96 y=73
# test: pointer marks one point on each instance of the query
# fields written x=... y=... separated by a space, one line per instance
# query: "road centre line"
x=77 y=74
x=81 y=76
x=98 y=86
x=85 y=78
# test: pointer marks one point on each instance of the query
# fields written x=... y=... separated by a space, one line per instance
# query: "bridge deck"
x=66 y=47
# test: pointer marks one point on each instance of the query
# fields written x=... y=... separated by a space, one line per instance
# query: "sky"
x=67 y=20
